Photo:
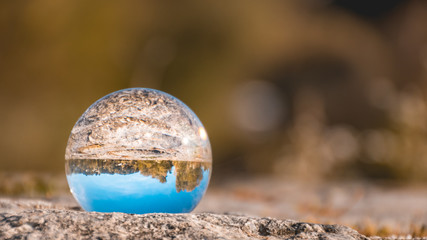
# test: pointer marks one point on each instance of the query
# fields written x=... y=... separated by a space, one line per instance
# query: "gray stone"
x=27 y=219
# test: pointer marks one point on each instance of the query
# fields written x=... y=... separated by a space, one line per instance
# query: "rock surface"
x=29 y=219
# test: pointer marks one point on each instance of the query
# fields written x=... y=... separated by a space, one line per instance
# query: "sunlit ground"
x=381 y=209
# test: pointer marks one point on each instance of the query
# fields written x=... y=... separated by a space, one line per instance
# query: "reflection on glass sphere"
x=138 y=150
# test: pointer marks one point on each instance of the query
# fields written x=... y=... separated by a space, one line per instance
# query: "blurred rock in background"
x=305 y=89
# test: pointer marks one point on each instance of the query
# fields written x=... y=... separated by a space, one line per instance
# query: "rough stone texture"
x=43 y=220
x=138 y=124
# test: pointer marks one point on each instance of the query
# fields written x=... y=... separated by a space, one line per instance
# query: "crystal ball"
x=138 y=150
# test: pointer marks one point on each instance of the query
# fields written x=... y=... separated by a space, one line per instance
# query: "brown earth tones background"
x=315 y=110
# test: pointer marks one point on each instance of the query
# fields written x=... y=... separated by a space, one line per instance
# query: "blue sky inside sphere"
x=134 y=193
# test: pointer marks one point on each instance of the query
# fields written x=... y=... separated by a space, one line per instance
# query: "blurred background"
x=313 y=90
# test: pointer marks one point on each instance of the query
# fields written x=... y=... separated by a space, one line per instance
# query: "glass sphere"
x=138 y=150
